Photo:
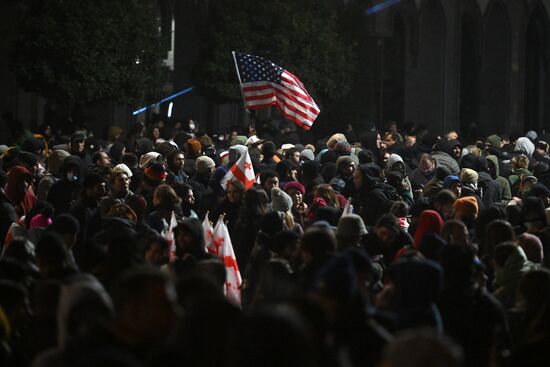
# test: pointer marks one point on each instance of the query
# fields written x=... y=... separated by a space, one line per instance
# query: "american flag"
x=266 y=84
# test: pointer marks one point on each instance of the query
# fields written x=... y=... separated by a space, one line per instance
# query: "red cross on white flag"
x=222 y=242
x=241 y=171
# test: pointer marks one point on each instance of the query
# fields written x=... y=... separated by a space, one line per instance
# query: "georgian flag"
x=242 y=171
x=224 y=248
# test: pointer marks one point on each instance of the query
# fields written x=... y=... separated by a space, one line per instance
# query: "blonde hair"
x=520 y=161
x=122 y=210
x=326 y=192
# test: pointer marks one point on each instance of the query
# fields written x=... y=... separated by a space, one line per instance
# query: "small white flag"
x=241 y=171
x=222 y=242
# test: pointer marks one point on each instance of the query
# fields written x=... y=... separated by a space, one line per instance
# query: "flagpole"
x=240 y=82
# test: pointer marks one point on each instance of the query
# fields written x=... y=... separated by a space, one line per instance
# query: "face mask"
x=71 y=177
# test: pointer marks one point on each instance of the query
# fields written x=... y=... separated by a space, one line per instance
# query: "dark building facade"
x=449 y=64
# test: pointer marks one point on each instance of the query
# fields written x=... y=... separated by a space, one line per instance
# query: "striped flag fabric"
x=265 y=84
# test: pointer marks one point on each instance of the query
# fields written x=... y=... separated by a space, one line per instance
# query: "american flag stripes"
x=265 y=84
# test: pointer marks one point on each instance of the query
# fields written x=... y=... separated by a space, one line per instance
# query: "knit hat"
x=342 y=147
x=343 y=161
x=239 y=139
x=307 y=154
x=295 y=185
x=335 y=139
x=531 y=135
x=450 y=180
x=351 y=225
x=280 y=201
x=148 y=159
x=203 y=164
x=40 y=221
x=55 y=160
x=195 y=146
x=532 y=246
x=468 y=176
x=122 y=168
x=156 y=172
x=466 y=205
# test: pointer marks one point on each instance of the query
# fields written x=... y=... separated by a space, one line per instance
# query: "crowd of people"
x=395 y=248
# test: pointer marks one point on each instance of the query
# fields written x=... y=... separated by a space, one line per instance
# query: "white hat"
x=147 y=159
x=123 y=169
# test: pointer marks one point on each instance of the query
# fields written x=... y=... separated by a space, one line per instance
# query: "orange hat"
x=466 y=206
x=195 y=146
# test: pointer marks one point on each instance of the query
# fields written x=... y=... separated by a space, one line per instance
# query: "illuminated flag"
x=265 y=84
x=225 y=252
x=242 y=171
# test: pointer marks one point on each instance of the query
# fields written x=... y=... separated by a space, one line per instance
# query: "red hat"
x=295 y=185
x=156 y=172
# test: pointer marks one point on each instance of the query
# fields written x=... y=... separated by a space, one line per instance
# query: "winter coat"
x=507 y=278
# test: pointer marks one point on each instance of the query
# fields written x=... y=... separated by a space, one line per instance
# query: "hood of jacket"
x=494 y=160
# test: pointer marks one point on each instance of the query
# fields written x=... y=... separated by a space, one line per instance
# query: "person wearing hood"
x=8 y=214
x=442 y=153
x=64 y=192
x=489 y=187
x=510 y=265
x=469 y=179
x=396 y=174
x=189 y=240
x=430 y=222
x=55 y=161
x=504 y=184
x=345 y=167
x=86 y=207
x=456 y=149
x=19 y=189
x=372 y=194
x=417 y=284
x=202 y=184
x=386 y=239
x=525 y=146
x=520 y=165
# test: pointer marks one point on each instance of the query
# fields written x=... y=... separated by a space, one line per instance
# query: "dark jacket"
x=8 y=215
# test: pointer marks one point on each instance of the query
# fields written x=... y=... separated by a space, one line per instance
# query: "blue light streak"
x=143 y=109
x=382 y=6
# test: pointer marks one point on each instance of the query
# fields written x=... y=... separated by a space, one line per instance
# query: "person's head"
x=165 y=198
x=454 y=184
x=426 y=164
x=387 y=228
x=101 y=158
x=455 y=232
x=145 y=302
x=121 y=210
x=350 y=230
x=235 y=192
x=189 y=238
x=326 y=192
x=498 y=231
x=120 y=182
x=175 y=160
x=421 y=348
x=345 y=166
x=268 y=150
x=67 y=227
x=317 y=243
x=77 y=143
x=156 y=250
x=443 y=202
x=269 y=180
x=466 y=209
x=520 y=161
x=541 y=147
x=502 y=253
x=293 y=154
x=296 y=192
x=256 y=201
x=205 y=165
x=94 y=186
x=186 y=194
x=52 y=256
